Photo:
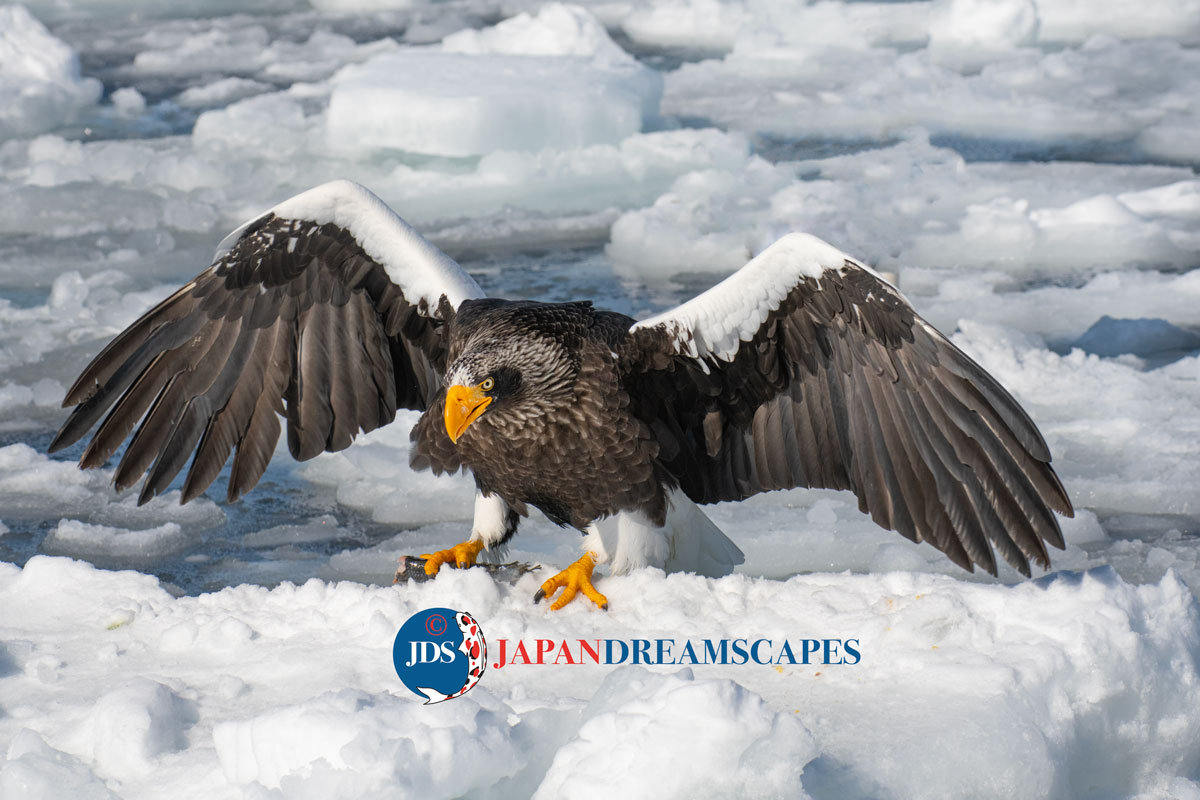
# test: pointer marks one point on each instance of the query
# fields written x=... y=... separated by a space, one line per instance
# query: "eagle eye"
x=488 y=384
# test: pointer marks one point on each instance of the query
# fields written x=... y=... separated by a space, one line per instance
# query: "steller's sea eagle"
x=804 y=368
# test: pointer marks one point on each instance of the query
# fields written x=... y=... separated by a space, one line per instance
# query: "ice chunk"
x=373 y=476
x=692 y=24
x=556 y=30
x=84 y=539
x=128 y=102
x=457 y=105
x=1131 y=99
x=321 y=529
x=1140 y=337
x=1078 y=20
x=551 y=81
x=40 y=83
x=33 y=484
x=986 y=25
x=914 y=205
x=221 y=92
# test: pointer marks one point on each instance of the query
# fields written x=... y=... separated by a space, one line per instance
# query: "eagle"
x=803 y=368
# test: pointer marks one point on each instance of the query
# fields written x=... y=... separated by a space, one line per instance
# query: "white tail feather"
x=688 y=542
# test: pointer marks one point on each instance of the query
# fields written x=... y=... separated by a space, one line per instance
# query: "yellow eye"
x=487 y=384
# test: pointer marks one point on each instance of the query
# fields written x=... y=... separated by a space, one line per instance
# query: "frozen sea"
x=1027 y=169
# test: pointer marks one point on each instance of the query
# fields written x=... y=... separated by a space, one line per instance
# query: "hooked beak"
x=463 y=406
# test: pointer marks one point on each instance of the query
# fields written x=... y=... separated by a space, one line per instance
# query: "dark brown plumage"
x=315 y=315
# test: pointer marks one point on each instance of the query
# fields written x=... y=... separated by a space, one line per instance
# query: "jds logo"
x=440 y=653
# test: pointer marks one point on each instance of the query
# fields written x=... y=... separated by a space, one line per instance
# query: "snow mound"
x=36 y=771
x=40 y=83
x=1060 y=687
x=640 y=727
x=349 y=743
x=131 y=726
x=551 y=81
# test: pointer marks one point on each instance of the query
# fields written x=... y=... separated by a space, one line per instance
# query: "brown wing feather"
x=843 y=386
x=296 y=319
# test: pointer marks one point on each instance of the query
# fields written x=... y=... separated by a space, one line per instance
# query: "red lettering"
x=503 y=646
x=564 y=652
x=584 y=647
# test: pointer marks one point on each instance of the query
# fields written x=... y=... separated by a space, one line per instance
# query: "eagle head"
x=511 y=378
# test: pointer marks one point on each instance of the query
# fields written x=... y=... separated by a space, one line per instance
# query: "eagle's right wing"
x=328 y=309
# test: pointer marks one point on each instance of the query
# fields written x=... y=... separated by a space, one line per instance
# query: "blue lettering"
x=608 y=651
x=710 y=652
x=740 y=656
x=786 y=652
x=851 y=651
x=754 y=651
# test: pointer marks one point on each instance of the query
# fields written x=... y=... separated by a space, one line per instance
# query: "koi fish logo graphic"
x=440 y=654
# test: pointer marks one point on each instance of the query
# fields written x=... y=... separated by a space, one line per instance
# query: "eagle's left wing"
x=806 y=368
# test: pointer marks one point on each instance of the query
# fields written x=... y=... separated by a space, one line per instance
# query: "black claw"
x=538 y=596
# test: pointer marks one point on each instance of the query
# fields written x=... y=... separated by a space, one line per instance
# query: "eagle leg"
x=571 y=580
x=461 y=555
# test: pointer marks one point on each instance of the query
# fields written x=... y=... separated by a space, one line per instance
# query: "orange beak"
x=463 y=406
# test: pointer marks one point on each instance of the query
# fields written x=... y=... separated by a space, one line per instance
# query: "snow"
x=421 y=270
x=718 y=321
x=1051 y=688
x=40 y=83
x=1025 y=169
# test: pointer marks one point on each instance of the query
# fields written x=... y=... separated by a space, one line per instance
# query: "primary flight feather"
x=804 y=368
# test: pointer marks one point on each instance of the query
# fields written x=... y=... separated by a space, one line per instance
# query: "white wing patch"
x=411 y=262
x=716 y=322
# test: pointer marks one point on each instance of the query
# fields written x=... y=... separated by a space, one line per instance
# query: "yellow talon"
x=572 y=580
x=461 y=555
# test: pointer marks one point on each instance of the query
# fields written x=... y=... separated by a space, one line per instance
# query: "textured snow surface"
x=1073 y=685
x=1026 y=170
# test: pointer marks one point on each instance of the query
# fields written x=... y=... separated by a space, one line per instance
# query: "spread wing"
x=328 y=310
x=805 y=368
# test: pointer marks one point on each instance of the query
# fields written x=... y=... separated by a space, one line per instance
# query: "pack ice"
x=1025 y=168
